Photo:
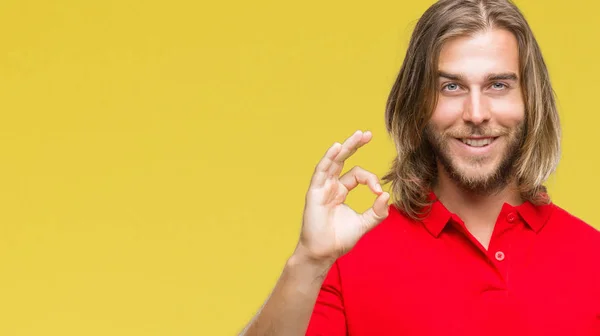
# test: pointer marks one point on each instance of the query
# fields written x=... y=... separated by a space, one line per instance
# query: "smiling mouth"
x=481 y=142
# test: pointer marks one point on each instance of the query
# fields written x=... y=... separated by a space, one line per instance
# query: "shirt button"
x=499 y=255
x=511 y=217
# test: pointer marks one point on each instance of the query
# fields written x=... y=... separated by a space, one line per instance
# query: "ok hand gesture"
x=330 y=228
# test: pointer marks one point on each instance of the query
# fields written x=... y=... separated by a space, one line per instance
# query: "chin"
x=478 y=173
x=475 y=177
x=476 y=169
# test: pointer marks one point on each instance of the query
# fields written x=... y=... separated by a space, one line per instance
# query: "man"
x=472 y=244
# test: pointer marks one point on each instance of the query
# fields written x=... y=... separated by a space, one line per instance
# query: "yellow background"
x=155 y=154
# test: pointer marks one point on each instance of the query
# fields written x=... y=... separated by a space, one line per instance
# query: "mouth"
x=478 y=142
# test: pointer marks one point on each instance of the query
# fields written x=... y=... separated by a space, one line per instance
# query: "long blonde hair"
x=414 y=97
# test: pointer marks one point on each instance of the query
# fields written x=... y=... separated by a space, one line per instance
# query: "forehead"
x=477 y=55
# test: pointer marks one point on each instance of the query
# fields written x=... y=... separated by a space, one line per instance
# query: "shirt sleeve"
x=328 y=317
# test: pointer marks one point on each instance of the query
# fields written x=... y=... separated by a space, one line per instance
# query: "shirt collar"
x=535 y=216
x=437 y=216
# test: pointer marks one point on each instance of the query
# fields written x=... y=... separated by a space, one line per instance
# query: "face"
x=476 y=129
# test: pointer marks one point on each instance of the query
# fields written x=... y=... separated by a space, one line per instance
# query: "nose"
x=476 y=110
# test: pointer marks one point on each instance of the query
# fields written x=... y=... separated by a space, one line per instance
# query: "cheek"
x=446 y=113
x=508 y=112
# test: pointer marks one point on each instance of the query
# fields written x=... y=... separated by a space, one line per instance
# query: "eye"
x=451 y=87
x=499 y=86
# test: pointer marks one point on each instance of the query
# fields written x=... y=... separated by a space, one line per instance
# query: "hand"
x=330 y=228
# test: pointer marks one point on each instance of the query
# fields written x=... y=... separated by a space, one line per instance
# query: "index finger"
x=320 y=174
x=350 y=146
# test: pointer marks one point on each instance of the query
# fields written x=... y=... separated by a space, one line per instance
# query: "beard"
x=484 y=183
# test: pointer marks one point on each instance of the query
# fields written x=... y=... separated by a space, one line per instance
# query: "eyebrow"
x=503 y=76
x=446 y=75
x=490 y=77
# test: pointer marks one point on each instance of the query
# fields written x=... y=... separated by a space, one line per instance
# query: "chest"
x=518 y=290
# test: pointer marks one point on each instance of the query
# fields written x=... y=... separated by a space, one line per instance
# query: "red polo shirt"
x=540 y=276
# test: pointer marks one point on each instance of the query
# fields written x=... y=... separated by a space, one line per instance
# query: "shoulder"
x=395 y=225
x=572 y=222
x=574 y=228
x=394 y=234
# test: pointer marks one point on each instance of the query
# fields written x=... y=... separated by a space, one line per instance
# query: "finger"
x=350 y=146
x=358 y=175
x=325 y=194
x=354 y=142
x=320 y=173
x=378 y=212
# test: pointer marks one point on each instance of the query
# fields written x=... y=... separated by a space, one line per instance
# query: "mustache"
x=476 y=131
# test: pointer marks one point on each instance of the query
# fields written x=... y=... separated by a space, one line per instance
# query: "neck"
x=478 y=211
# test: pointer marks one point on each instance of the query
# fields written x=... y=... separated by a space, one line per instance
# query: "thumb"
x=378 y=212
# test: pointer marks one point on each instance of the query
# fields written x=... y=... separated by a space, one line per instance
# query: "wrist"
x=306 y=275
x=303 y=256
x=305 y=268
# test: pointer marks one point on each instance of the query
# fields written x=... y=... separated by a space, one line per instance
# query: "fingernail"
x=378 y=188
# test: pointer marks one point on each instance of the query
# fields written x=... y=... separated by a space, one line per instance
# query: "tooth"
x=477 y=143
